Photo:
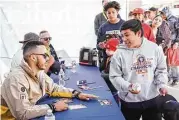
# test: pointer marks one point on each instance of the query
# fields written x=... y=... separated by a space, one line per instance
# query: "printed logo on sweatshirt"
x=113 y=32
x=141 y=64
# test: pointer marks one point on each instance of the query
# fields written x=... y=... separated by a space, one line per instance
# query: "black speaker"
x=88 y=56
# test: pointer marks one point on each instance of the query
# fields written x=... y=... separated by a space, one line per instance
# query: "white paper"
x=85 y=57
x=80 y=106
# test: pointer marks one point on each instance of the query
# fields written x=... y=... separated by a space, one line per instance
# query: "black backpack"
x=171 y=110
x=169 y=107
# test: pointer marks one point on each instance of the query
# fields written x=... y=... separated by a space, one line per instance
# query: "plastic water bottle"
x=61 y=77
x=49 y=115
x=73 y=69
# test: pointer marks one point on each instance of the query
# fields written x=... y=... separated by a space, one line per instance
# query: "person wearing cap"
x=138 y=13
x=164 y=29
x=18 y=56
x=173 y=22
x=53 y=65
x=23 y=86
x=146 y=17
x=111 y=46
x=110 y=29
x=138 y=71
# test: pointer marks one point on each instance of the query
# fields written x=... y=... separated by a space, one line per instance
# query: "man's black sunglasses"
x=47 y=38
x=44 y=55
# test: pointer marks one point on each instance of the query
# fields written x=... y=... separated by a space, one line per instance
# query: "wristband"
x=77 y=95
x=52 y=107
x=74 y=91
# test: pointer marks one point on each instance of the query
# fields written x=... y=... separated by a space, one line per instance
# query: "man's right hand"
x=163 y=91
x=60 y=106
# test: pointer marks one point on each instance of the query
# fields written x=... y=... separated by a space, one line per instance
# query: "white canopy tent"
x=8 y=44
x=70 y=23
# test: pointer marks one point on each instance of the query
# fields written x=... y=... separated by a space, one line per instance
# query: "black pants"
x=147 y=109
x=102 y=57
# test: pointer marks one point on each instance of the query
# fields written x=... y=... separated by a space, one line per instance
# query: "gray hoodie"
x=145 y=65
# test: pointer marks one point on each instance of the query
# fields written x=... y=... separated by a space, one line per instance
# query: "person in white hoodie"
x=138 y=62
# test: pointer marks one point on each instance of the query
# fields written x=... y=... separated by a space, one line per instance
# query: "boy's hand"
x=135 y=88
x=84 y=96
x=101 y=45
x=163 y=91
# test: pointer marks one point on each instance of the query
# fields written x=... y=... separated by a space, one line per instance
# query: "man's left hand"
x=84 y=96
x=163 y=91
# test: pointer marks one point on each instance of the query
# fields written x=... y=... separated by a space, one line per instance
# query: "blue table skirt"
x=94 y=110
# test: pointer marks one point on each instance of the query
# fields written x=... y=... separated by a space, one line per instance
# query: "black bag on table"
x=88 y=56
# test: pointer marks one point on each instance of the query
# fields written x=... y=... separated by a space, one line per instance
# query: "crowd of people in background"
x=159 y=26
x=165 y=29
x=146 y=56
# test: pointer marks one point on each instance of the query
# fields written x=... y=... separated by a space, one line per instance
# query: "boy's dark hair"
x=30 y=46
x=134 y=25
x=112 y=4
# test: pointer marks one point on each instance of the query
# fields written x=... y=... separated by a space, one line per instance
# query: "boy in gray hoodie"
x=138 y=62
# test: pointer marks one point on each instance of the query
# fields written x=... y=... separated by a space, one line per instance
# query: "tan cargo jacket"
x=22 y=89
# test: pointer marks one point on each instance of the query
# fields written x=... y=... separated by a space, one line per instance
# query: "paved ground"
x=174 y=90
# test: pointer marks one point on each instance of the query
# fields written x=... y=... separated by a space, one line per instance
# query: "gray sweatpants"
x=174 y=73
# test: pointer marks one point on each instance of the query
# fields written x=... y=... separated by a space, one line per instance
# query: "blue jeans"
x=174 y=73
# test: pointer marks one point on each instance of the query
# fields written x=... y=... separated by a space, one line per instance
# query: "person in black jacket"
x=53 y=65
x=100 y=18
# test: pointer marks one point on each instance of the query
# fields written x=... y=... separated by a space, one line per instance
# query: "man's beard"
x=40 y=66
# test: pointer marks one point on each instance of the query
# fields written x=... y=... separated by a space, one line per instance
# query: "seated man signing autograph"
x=23 y=87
